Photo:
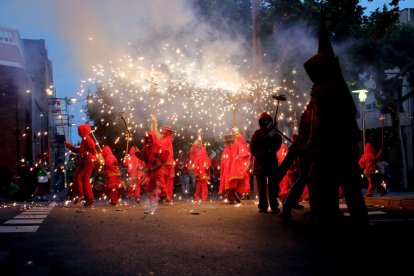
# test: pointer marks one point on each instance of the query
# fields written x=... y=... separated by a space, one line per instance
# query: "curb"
x=402 y=203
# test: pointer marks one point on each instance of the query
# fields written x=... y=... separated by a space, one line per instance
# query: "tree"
x=109 y=129
x=386 y=45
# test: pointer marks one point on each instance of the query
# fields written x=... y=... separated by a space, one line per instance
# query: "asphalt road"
x=187 y=238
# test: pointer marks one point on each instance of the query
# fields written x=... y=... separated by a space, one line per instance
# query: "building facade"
x=26 y=80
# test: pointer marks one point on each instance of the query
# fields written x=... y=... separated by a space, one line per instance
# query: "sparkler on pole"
x=128 y=133
x=234 y=110
x=153 y=90
x=99 y=155
x=96 y=141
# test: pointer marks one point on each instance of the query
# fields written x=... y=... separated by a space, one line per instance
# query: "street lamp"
x=362 y=96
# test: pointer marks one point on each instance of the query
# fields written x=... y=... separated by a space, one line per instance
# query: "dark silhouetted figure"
x=264 y=148
x=334 y=140
x=304 y=160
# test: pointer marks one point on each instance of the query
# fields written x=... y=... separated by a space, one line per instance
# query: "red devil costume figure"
x=291 y=176
x=136 y=174
x=111 y=175
x=368 y=163
x=154 y=156
x=85 y=164
x=202 y=164
x=239 y=179
x=225 y=165
x=166 y=143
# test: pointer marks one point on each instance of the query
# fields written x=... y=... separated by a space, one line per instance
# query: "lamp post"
x=362 y=96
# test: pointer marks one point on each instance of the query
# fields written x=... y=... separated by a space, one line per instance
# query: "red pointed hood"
x=132 y=151
x=106 y=151
x=153 y=136
x=84 y=130
x=370 y=148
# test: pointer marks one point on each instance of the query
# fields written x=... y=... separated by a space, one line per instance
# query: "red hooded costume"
x=202 y=166
x=136 y=174
x=225 y=168
x=239 y=178
x=111 y=175
x=166 y=142
x=87 y=157
x=194 y=153
x=368 y=162
x=154 y=156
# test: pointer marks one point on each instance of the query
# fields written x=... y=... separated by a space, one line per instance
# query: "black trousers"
x=268 y=189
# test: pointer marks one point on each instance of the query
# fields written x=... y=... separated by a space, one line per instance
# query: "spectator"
x=264 y=148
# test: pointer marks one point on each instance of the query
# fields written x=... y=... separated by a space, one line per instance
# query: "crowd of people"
x=154 y=171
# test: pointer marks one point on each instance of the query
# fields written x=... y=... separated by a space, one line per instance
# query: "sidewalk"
x=393 y=200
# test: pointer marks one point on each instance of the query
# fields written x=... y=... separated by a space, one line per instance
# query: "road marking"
x=390 y=220
x=19 y=229
x=376 y=213
x=35 y=215
x=30 y=216
x=23 y=221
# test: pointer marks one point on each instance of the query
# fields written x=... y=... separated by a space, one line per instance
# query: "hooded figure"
x=87 y=156
x=111 y=175
x=202 y=174
x=368 y=162
x=166 y=143
x=334 y=138
x=154 y=156
x=225 y=164
x=136 y=174
x=264 y=149
x=239 y=179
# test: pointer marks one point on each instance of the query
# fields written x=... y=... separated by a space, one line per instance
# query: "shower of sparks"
x=189 y=93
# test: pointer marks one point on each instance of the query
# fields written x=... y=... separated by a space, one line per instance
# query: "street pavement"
x=192 y=238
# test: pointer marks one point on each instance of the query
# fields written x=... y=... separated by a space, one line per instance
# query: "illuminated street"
x=186 y=238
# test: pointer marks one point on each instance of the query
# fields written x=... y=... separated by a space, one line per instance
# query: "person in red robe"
x=291 y=175
x=154 y=156
x=225 y=167
x=112 y=175
x=202 y=174
x=239 y=178
x=368 y=162
x=281 y=153
x=136 y=174
x=87 y=157
x=166 y=143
